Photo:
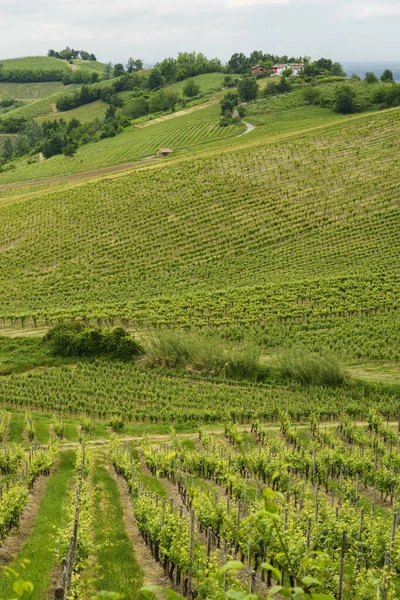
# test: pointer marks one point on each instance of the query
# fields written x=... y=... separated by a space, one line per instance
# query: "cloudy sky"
x=345 y=30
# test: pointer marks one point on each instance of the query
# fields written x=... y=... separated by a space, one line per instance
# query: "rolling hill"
x=301 y=232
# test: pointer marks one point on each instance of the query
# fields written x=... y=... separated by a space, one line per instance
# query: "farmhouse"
x=164 y=151
x=296 y=68
x=258 y=70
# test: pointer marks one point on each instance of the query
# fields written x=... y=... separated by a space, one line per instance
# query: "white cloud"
x=153 y=29
x=370 y=10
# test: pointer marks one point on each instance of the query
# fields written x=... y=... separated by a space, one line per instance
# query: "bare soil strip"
x=14 y=542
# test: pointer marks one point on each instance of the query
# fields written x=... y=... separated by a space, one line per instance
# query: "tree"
x=155 y=79
x=119 y=70
x=284 y=85
x=387 y=76
x=311 y=95
x=370 y=77
x=248 y=89
x=287 y=72
x=228 y=81
x=344 y=100
x=191 y=88
x=108 y=69
x=337 y=70
x=238 y=63
x=229 y=102
x=133 y=66
x=7 y=149
x=355 y=77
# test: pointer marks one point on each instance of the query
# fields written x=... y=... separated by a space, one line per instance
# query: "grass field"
x=89 y=65
x=210 y=82
x=85 y=114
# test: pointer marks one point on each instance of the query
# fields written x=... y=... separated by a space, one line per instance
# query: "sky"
x=344 y=30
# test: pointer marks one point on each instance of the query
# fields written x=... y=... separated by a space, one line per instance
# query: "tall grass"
x=299 y=364
x=202 y=354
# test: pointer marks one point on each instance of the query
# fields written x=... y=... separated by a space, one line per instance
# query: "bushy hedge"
x=74 y=339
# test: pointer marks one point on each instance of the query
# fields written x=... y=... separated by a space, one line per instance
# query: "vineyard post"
x=308 y=533
x=341 y=574
x=191 y=546
x=360 y=532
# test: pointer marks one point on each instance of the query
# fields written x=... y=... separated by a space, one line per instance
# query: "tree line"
x=70 y=54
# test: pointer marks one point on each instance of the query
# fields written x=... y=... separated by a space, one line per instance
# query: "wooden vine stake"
x=341 y=573
x=191 y=547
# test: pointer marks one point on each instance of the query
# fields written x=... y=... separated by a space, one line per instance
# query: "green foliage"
x=247 y=89
x=202 y=354
x=370 y=77
x=191 y=88
x=387 y=76
x=229 y=102
x=74 y=339
x=309 y=368
x=344 y=100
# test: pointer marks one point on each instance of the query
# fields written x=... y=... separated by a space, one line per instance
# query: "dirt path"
x=249 y=126
x=82 y=175
x=153 y=572
x=14 y=542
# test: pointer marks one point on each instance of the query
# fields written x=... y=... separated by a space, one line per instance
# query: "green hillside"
x=189 y=131
x=302 y=232
x=86 y=113
x=29 y=92
x=36 y=63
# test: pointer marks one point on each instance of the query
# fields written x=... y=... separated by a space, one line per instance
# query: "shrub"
x=74 y=339
x=306 y=367
x=203 y=355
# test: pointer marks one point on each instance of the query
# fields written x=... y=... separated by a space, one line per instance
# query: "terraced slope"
x=302 y=232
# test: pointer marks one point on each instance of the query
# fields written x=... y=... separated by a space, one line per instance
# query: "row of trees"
x=70 y=54
x=41 y=76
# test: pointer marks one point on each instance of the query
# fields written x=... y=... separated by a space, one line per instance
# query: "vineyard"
x=87 y=113
x=36 y=63
x=195 y=129
x=299 y=234
x=198 y=465
x=308 y=500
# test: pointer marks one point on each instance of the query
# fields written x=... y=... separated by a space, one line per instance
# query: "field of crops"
x=312 y=503
x=301 y=232
x=85 y=114
x=29 y=92
x=36 y=63
x=193 y=130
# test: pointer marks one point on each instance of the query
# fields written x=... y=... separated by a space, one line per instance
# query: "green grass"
x=209 y=82
x=17 y=425
x=89 y=65
x=39 y=547
x=25 y=353
x=41 y=423
x=85 y=114
x=116 y=566
x=71 y=433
